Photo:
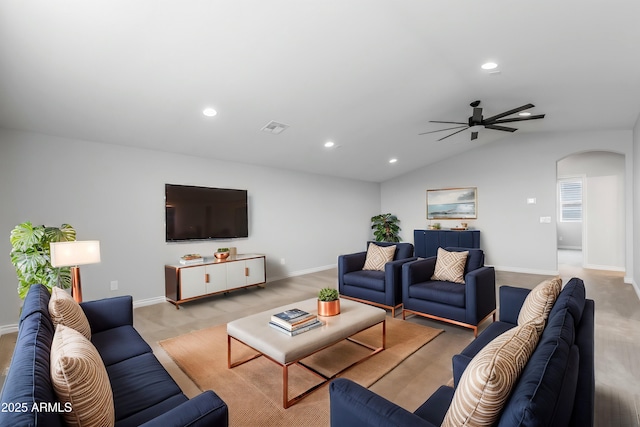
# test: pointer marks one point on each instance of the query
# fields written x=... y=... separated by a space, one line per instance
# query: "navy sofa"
x=143 y=391
x=464 y=305
x=556 y=387
x=379 y=288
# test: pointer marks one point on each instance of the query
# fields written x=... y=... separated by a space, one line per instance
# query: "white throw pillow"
x=80 y=380
x=540 y=300
x=450 y=266
x=486 y=384
x=64 y=310
x=378 y=256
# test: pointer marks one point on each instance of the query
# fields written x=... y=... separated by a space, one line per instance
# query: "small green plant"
x=328 y=294
x=31 y=255
x=385 y=228
x=223 y=250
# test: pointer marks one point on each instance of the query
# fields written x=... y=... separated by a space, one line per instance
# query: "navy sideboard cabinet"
x=427 y=242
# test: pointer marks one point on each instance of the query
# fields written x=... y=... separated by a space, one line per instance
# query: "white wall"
x=570 y=235
x=115 y=194
x=604 y=203
x=506 y=173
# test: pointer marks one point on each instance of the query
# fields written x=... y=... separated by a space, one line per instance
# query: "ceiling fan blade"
x=474 y=135
x=440 y=130
x=519 y=119
x=453 y=123
x=477 y=115
x=452 y=134
x=504 y=128
x=508 y=113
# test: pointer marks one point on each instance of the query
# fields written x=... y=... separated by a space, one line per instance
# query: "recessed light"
x=489 y=66
x=329 y=144
x=394 y=160
x=209 y=112
x=524 y=114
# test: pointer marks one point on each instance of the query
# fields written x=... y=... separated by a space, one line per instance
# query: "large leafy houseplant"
x=31 y=256
x=385 y=227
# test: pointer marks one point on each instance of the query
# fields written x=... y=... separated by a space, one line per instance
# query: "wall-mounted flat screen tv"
x=198 y=213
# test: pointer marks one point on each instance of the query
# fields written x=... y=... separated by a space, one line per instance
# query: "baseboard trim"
x=148 y=301
x=570 y=248
x=7 y=329
x=604 y=267
x=302 y=272
x=526 y=270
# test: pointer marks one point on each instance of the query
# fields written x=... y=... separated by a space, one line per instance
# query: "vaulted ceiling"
x=365 y=74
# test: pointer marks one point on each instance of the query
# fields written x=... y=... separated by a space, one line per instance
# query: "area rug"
x=253 y=391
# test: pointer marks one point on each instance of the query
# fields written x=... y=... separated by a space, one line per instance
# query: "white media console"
x=185 y=283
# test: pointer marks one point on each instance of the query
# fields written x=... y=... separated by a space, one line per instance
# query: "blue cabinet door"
x=427 y=242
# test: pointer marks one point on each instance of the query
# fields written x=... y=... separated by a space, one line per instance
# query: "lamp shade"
x=66 y=254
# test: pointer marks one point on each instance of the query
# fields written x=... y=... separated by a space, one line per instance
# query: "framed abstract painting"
x=452 y=203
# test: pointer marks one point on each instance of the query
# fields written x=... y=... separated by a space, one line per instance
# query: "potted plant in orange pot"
x=222 y=253
x=328 y=302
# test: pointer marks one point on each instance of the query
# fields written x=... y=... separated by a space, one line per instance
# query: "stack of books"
x=190 y=259
x=295 y=321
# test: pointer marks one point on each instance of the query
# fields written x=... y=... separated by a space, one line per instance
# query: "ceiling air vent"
x=274 y=127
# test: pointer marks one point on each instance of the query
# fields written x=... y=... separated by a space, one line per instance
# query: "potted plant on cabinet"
x=328 y=302
x=222 y=253
x=31 y=256
x=385 y=227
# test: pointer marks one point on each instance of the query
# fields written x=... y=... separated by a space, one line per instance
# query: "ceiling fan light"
x=524 y=114
x=476 y=128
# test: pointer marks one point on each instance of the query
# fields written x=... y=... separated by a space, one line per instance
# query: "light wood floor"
x=413 y=381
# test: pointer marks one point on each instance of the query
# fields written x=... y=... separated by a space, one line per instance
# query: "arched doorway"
x=594 y=237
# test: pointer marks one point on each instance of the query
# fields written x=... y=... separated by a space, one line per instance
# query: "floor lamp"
x=73 y=254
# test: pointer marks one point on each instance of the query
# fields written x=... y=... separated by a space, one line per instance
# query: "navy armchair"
x=379 y=288
x=464 y=305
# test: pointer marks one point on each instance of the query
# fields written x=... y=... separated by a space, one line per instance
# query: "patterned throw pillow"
x=378 y=256
x=80 y=380
x=540 y=300
x=450 y=266
x=487 y=382
x=64 y=310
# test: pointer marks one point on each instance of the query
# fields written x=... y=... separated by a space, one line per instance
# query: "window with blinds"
x=570 y=195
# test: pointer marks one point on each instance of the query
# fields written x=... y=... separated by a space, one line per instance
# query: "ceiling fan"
x=494 y=122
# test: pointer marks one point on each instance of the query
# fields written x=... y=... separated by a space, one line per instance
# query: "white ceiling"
x=367 y=74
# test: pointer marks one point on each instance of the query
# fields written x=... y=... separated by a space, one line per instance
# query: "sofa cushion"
x=29 y=380
x=545 y=392
x=109 y=344
x=540 y=300
x=64 y=310
x=80 y=380
x=378 y=256
x=38 y=301
x=486 y=383
x=369 y=279
x=139 y=383
x=448 y=293
x=572 y=297
x=450 y=266
x=152 y=412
